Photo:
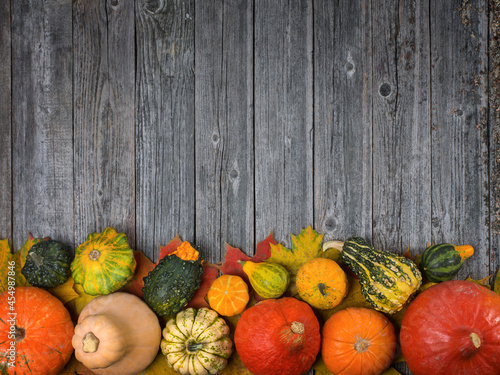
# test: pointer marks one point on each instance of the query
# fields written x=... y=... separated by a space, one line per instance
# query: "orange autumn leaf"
x=170 y=247
x=143 y=266
x=210 y=273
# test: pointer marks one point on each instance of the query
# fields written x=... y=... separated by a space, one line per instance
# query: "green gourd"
x=170 y=286
x=269 y=280
x=442 y=262
x=387 y=280
x=47 y=264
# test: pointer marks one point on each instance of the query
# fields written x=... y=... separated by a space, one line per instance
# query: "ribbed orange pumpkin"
x=41 y=333
x=322 y=283
x=228 y=295
x=358 y=341
x=278 y=337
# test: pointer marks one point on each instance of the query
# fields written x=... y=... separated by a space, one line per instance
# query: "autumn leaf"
x=159 y=367
x=143 y=266
x=305 y=246
x=76 y=305
x=65 y=291
x=235 y=366
x=170 y=247
x=483 y=282
x=496 y=286
x=210 y=273
x=5 y=258
x=75 y=367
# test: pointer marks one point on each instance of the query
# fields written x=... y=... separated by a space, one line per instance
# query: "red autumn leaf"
x=210 y=273
x=170 y=247
x=144 y=266
x=233 y=255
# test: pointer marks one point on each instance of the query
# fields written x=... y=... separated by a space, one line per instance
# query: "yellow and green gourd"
x=269 y=280
x=103 y=263
x=387 y=279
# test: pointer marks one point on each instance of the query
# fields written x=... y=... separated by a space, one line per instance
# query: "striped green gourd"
x=269 y=280
x=387 y=280
x=442 y=262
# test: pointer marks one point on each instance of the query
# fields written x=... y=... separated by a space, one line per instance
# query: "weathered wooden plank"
x=343 y=118
x=5 y=121
x=401 y=126
x=42 y=120
x=224 y=126
x=284 y=130
x=458 y=86
x=494 y=133
x=104 y=77
x=165 y=123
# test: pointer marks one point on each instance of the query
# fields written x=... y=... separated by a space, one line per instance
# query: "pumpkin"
x=196 y=342
x=452 y=328
x=35 y=332
x=358 y=341
x=269 y=280
x=103 y=263
x=387 y=280
x=442 y=262
x=278 y=337
x=47 y=264
x=228 y=295
x=322 y=283
x=117 y=334
x=169 y=287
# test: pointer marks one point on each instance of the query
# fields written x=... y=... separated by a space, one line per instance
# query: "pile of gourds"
x=452 y=327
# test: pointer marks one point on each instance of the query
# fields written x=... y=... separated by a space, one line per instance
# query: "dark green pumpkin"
x=442 y=262
x=387 y=279
x=47 y=264
x=169 y=287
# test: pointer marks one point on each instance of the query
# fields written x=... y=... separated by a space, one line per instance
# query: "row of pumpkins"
x=452 y=327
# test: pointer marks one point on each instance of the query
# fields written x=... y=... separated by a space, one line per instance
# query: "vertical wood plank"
x=5 y=121
x=458 y=85
x=401 y=126
x=104 y=78
x=224 y=126
x=284 y=131
x=165 y=123
x=42 y=120
x=343 y=122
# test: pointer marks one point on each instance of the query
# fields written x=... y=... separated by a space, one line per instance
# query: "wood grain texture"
x=224 y=126
x=401 y=126
x=343 y=119
x=284 y=131
x=104 y=102
x=459 y=173
x=42 y=120
x=165 y=123
x=5 y=121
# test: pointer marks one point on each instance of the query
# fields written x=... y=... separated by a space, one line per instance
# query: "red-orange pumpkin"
x=278 y=337
x=452 y=328
x=40 y=337
x=358 y=341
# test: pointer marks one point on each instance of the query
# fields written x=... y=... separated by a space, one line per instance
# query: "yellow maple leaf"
x=496 y=285
x=65 y=292
x=483 y=282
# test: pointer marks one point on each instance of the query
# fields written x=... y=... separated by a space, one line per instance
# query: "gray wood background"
x=224 y=120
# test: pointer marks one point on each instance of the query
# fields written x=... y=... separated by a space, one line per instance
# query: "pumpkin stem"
x=297 y=327
x=361 y=345
x=94 y=254
x=321 y=287
x=465 y=251
x=37 y=259
x=90 y=343
x=475 y=340
x=333 y=245
x=19 y=333
x=193 y=346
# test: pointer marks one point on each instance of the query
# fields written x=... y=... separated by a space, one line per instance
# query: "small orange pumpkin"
x=358 y=341
x=228 y=295
x=322 y=283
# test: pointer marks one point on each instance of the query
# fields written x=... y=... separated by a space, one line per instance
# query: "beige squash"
x=117 y=334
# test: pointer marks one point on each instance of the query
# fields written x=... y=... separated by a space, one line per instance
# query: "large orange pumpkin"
x=40 y=337
x=452 y=328
x=278 y=337
x=358 y=341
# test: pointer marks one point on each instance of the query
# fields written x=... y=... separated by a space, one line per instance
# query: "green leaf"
x=5 y=258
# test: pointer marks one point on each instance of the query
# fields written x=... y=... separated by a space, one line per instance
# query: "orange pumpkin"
x=40 y=337
x=228 y=295
x=322 y=283
x=358 y=341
